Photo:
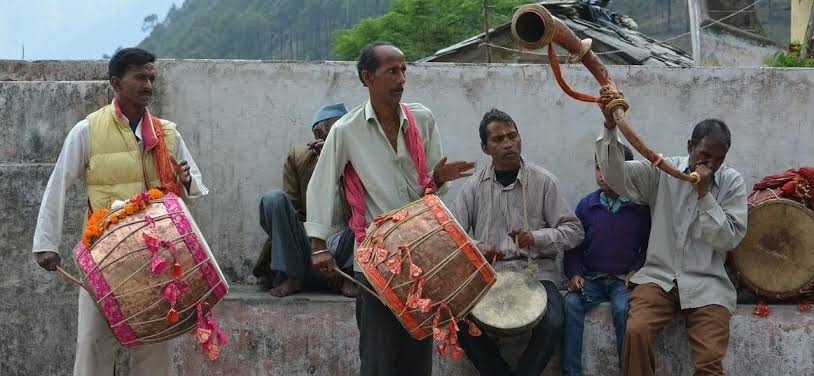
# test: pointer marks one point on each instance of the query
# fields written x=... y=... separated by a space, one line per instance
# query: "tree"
x=149 y=22
x=421 y=27
x=255 y=29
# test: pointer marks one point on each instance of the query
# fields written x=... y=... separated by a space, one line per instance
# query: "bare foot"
x=290 y=286
x=349 y=289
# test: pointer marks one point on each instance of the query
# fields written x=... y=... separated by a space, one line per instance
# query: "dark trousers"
x=545 y=338
x=290 y=246
x=385 y=347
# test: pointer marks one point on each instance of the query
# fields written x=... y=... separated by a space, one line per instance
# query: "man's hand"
x=706 y=177
x=523 y=238
x=316 y=145
x=628 y=277
x=576 y=283
x=322 y=262
x=182 y=171
x=490 y=252
x=446 y=172
x=48 y=260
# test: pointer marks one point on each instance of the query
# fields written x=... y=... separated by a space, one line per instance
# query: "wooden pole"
x=695 y=31
x=807 y=40
x=486 y=30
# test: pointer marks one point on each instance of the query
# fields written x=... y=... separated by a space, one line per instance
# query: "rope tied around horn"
x=611 y=99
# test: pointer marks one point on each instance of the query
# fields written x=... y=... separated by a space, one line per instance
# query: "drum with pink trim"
x=151 y=273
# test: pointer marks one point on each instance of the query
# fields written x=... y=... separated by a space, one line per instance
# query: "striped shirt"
x=553 y=224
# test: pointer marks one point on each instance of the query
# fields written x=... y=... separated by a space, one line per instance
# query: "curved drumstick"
x=70 y=277
x=357 y=283
x=534 y=27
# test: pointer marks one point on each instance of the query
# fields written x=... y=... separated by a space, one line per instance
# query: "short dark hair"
x=490 y=116
x=126 y=57
x=712 y=128
x=368 y=60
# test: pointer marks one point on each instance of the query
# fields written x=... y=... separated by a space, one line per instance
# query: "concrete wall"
x=239 y=119
x=724 y=45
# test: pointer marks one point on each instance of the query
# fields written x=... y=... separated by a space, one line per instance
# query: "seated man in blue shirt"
x=614 y=248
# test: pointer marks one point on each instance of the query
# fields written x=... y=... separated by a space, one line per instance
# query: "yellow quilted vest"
x=116 y=170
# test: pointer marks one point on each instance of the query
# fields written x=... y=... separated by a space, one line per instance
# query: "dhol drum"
x=424 y=267
x=151 y=272
x=775 y=260
x=513 y=306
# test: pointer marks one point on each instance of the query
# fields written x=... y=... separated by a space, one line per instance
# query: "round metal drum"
x=513 y=306
x=776 y=257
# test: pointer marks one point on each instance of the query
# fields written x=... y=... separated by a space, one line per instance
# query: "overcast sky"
x=73 y=29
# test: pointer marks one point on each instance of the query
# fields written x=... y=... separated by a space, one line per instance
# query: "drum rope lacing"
x=372 y=252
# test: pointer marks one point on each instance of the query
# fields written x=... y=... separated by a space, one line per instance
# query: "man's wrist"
x=437 y=180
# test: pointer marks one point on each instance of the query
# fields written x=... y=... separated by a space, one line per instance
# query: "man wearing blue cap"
x=282 y=213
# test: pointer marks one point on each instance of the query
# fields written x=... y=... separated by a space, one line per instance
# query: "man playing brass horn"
x=693 y=227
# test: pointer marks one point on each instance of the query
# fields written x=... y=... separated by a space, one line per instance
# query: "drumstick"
x=70 y=277
x=349 y=278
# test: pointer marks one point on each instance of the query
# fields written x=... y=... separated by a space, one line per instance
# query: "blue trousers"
x=595 y=291
x=291 y=247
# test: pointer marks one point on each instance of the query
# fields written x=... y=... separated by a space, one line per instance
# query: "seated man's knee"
x=636 y=327
x=275 y=197
x=554 y=321
x=573 y=303
x=619 y=308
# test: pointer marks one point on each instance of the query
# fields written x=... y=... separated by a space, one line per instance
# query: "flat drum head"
x=514 y=305
x=776 y=257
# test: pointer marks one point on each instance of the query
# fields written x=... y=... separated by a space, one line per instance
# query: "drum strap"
x=531 y=267
x=355 y=190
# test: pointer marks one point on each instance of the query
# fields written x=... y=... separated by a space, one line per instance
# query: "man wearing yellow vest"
x=117 y=151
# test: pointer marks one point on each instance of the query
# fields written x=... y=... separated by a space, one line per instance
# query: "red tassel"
x=172 y=316
x=805 y=305
x=761 y=309
x=473 y=329
x=176 y=270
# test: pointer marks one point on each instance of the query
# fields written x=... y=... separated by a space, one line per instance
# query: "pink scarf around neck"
x=355 y=190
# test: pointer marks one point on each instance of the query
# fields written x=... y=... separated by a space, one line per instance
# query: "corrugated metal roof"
x=611 y=33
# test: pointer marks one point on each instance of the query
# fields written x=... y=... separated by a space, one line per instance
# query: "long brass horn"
x=533 y=27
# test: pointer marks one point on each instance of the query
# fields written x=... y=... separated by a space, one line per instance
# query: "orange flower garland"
x=99 y=221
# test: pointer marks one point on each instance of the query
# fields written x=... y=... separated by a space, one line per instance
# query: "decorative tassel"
x=473 y=329
x=176 y=270
x=761 y=309
x=209 y=334
x=394 y=264
x=172 y=316
x=805 y=304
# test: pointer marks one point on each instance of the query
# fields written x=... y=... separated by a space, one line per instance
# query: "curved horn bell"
x=533 y=26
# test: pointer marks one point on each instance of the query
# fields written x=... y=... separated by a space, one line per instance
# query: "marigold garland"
x=99 y=221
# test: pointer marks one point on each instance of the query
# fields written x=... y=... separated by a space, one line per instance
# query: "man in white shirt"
x=137 y=145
